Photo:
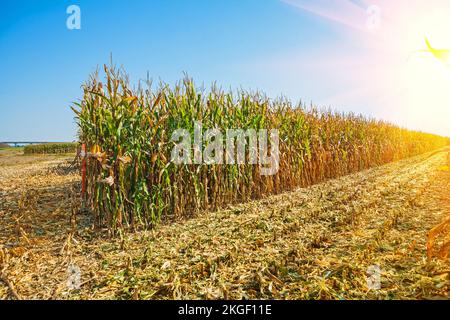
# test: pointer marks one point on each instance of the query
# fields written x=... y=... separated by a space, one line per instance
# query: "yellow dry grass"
x=311 y=243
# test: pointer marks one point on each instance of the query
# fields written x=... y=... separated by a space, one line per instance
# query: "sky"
x=354 y=56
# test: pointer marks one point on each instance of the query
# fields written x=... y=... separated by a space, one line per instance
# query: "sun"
x=394 y=72
x=425 y=77
x=427 y=80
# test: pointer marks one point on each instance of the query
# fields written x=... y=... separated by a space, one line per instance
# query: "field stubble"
x=314 y=242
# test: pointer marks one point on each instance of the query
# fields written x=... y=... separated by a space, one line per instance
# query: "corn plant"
x=132 y=182
x=50 y=148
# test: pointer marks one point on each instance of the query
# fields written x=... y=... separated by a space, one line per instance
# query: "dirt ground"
x=320 y=242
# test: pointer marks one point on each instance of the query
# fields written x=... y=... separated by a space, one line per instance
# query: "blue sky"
x=276 y=46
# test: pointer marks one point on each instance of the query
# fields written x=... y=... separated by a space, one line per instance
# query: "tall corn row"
x=50 y=148
x=131 y=180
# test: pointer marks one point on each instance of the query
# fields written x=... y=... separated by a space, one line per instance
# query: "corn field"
x=132 y=182
x=50 y=148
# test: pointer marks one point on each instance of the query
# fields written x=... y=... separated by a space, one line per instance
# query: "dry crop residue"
x=315 y=242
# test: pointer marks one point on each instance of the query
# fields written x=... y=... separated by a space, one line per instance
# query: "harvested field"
x=312 y=243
